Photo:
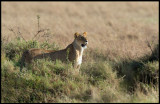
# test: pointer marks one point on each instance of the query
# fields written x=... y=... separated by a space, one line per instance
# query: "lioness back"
x=33 y=53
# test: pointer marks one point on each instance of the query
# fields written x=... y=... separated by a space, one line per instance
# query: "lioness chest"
x=79 y=57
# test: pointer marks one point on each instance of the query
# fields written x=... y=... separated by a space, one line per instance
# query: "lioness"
x=73 y=52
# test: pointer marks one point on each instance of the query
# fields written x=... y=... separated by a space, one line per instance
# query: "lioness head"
x=81 y=39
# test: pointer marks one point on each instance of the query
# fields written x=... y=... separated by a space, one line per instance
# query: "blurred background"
x=117 y=28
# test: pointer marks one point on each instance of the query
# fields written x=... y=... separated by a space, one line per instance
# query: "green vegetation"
x=100 y=79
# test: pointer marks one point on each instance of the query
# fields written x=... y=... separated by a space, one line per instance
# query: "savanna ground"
x=121 y=63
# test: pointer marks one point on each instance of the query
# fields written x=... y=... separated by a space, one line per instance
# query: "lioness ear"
x=85 y=34
x=76 y=34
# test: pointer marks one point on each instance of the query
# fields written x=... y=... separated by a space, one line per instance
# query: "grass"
x=98 y=80
x=118 y=28
x=119 y=65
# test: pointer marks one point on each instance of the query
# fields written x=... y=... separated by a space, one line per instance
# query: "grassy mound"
x=99 y=80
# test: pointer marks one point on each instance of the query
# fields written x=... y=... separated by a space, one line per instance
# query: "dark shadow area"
x=144 y=70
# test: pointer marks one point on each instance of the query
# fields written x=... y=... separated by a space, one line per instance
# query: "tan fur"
x=73 y=52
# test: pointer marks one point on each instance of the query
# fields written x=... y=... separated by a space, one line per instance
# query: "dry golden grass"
x=117 y=28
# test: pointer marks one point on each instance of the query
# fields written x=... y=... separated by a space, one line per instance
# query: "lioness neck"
x=79 y=49
x=79 y=53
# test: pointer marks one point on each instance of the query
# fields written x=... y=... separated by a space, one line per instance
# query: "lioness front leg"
x=77 y=67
